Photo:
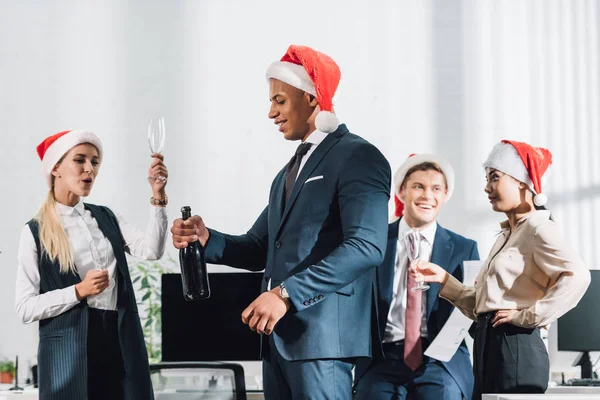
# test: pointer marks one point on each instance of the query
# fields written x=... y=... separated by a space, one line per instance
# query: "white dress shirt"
x=315 y=138
x=396 y=320
x=84 y=236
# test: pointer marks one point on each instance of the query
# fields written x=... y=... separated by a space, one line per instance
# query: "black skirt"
x=508 y=359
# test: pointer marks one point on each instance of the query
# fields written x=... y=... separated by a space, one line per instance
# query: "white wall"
x=435 y=76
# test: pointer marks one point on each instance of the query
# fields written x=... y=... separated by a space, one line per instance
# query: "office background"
x=448 y=77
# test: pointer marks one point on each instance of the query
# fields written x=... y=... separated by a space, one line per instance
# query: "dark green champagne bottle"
x=192 y=260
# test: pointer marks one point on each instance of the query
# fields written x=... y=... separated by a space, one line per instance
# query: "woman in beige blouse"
x=530 y=278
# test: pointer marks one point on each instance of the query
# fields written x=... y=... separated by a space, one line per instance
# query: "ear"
x=402 y=193
x=312 y=100
x=55 y=172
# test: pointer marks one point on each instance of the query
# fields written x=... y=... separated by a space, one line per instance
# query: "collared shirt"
x=90 y=248
x=396 y=320
x=315 y=138
x=531 y=269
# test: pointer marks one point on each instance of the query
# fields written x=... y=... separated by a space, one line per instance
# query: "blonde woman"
x=530 y=279
x=73 y=278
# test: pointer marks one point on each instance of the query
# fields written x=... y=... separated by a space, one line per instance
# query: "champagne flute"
x=100 y=256
x=412 y=241
x=156 y=139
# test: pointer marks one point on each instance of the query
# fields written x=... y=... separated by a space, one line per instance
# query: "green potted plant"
x=7 y=371
x=146 y=277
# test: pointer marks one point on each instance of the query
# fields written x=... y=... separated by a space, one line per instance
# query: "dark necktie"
x=292 y=168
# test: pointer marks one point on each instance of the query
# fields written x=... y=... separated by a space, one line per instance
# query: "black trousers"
x=106 y=372
x=508 y=359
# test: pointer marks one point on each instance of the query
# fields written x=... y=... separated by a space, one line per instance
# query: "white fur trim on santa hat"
x=505 y=158
x=420 y=159
x=62 y=145
x=292 y=74
x=326 y=121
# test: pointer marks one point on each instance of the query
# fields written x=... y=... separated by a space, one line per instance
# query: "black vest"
x=62 y=352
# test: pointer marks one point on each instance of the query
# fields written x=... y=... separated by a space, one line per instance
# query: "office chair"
x=198 y=381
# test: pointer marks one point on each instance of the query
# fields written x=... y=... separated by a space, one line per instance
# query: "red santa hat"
x=54 y=147
x=523 y=162
x=315 y=73
x=414 y=160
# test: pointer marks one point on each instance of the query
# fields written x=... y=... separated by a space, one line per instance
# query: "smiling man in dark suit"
x=318 y=241
x=410 y=320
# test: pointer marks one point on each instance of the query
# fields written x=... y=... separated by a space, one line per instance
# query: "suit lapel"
x=440 y=255
x=279 y=195
x=312 y=162
x=276 y=201
x=385 y=274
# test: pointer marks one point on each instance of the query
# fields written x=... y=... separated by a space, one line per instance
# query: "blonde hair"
x=53 y=238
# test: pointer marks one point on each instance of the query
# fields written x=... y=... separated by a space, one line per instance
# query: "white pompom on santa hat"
x=315 y=73
x=54 y=147
x=412 y=161
x=523 y=162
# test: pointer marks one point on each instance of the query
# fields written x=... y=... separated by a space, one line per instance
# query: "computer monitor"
x=210 y=329
x=579 y=329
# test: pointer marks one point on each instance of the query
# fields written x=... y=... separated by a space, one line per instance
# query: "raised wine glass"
x=412 y=241
x=156 y=139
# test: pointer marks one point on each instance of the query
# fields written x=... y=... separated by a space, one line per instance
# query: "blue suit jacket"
x=449 y=251
x=325 y=244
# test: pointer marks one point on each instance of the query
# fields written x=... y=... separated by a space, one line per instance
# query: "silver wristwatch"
x=283 y=291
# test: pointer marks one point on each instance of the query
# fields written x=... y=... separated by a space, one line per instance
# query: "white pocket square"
x=314 y=178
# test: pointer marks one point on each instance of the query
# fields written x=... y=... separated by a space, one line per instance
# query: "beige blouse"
x=532 y=270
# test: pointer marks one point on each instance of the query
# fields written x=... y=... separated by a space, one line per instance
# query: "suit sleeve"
x=248 y=251
x=461 y=296
x=363 y=195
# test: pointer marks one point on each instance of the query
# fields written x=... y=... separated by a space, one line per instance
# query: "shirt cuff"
x=523 y=319
x=452 y=289
x=69 y=295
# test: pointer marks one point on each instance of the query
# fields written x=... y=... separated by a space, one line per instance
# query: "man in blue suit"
x=318 y=241
x=411 y=320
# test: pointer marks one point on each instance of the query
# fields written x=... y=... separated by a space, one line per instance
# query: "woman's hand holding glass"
x=428 y=272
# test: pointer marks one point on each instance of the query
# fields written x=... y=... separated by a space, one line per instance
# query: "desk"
x=539 y=397
x=26 y=395
x=31 y=394
x=564 y=390
x=554 y=393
